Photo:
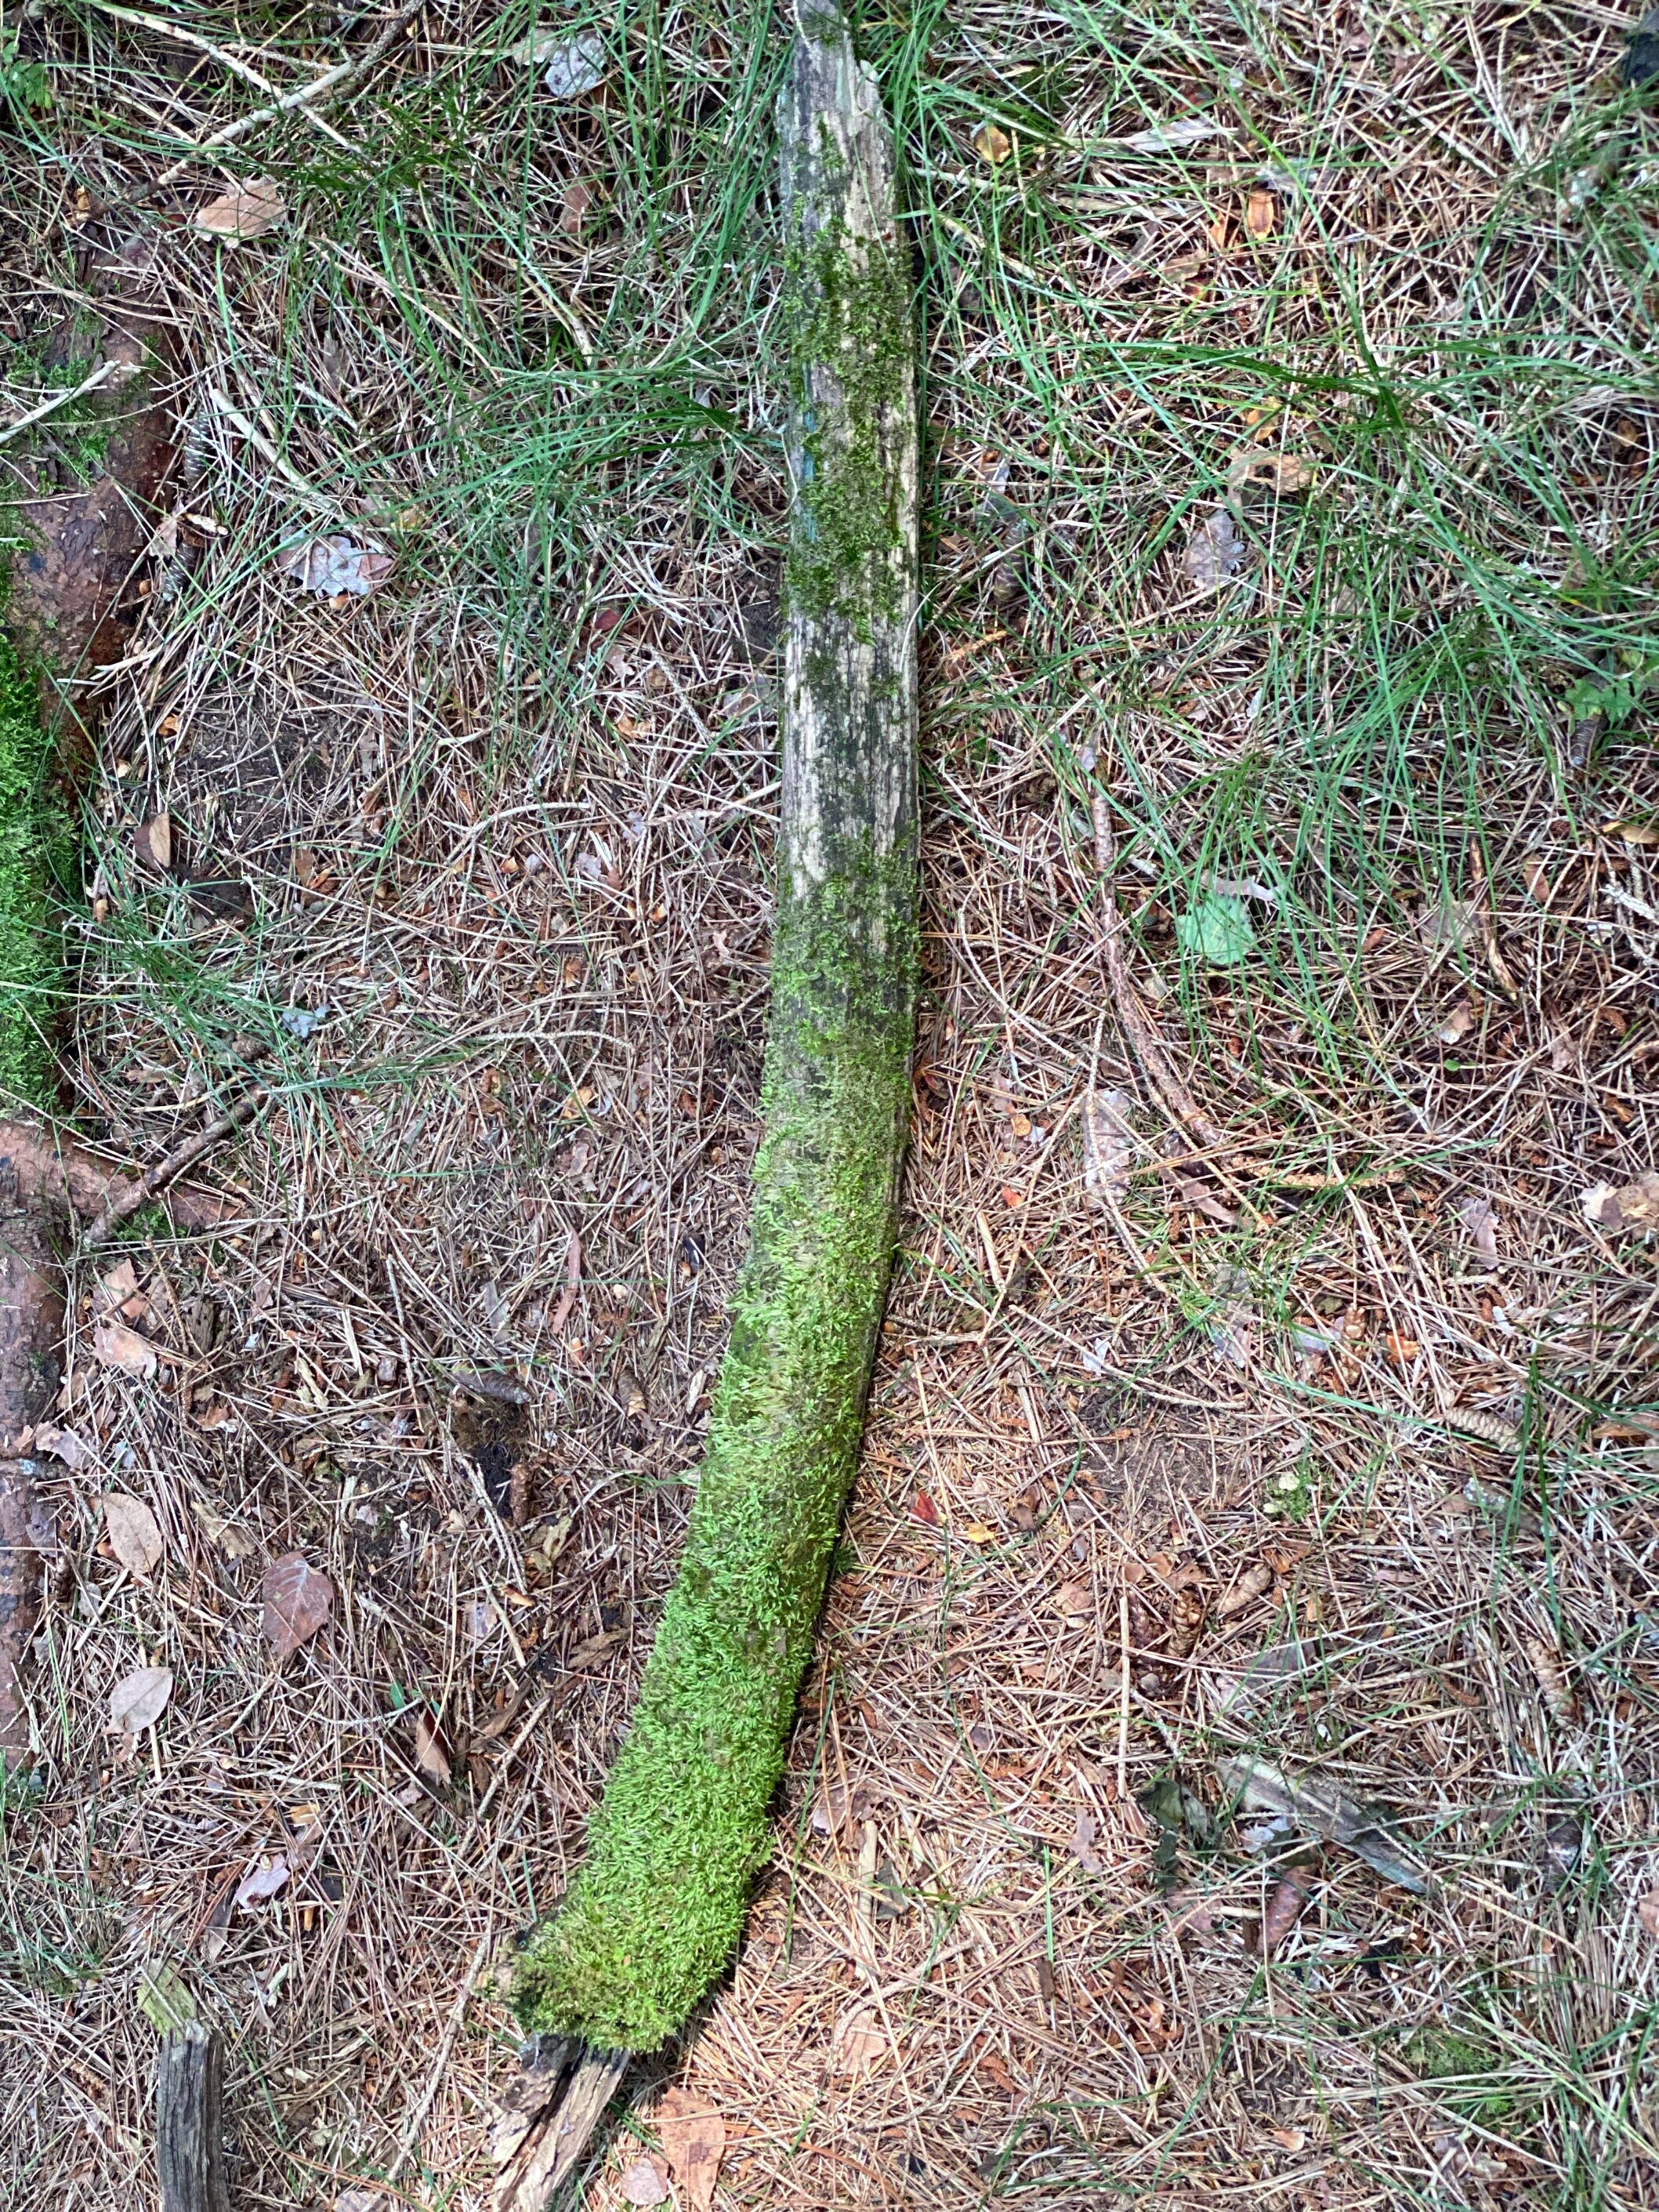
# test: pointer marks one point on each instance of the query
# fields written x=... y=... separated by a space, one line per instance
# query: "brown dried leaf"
x=135 y=1536
x=298 y=1599
x=992 y=144
x=858 y=2041
x=1260 y=214
x=139 y=1700
x=247 y=211
x=1276 y=476
x=1075 y=1603
x=1647 y=1911
x=263 y=1879
x=335 y=568
x=1477 y=1216
x=114 y=1288
x=152 y=843
x=1286 y=1905
x=838 y=1812
x=694 y=2141
x=1631 y=1210
x=115 y=1345
x=645 y=2182
x=432 y=1752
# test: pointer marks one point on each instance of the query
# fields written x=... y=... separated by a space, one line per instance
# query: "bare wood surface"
x=189 y=2121
x=545 y=2120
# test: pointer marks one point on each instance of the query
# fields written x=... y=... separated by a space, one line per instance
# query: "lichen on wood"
x=655 y=1913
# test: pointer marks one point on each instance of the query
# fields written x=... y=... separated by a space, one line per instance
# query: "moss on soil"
x=33 y=841
x=656 y=1911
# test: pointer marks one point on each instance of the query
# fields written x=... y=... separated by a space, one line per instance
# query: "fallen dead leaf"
x=1260 y=214
x=135 y=1536
x=114 y=1288
x=1215 y=552
x=1536 y=879
x=1290 y=2139
x=992 y=144
x=858 y=2042
x=1284 y=1908
x=432 y=1752
x=62 y=1443
x=139 y=1700
x=1633 y=1209
x=1633 y=833
x=298 y=1599
x=839 y=1812
x=645 y=2182
x=694 y=2142
x=1647 y=1911
x=1477 y=1216
x=360 y=2200
x=1401 y=1349
x=245 y=211
x=334 y=567
x=1279 y=476
x=1075 y=1603
x=575 y=207
x=1457 y=1024
x=977 y=1532
x=263 y=1879
x=152 y=843
x=923 y=1509
x=115 y=1345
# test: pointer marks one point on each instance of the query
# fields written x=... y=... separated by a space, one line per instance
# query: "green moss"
x=1463 y=2069
x=850 y=308
x=657 y=1910
x=33 y=845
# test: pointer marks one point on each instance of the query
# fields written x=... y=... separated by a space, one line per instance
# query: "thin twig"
x=128 y=1201
x=327 y=86
x=229 y=62
x=101 y=374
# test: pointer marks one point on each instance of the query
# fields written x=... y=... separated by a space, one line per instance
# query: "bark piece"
x=189 y=2125
x=656 y=1911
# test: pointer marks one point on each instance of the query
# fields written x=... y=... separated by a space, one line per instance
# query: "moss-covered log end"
x=33 y=851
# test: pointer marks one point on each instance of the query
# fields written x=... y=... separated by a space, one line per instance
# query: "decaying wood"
x=135 y=1191
x=189 y=2123
x=546 y=2117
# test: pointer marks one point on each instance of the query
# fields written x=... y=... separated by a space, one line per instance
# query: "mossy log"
x=655 y=1913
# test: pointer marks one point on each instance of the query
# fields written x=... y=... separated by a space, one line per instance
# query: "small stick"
x=127 y=1201
x=189 y=2148
x=101 y=374
x=328 y=84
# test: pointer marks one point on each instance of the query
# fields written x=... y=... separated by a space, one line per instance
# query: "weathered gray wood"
x=189 y=2123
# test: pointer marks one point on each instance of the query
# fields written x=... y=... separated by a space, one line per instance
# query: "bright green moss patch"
x=31 y=843
x=656 y=1912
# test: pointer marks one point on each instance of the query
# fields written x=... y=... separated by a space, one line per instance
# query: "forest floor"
x=1292 y=422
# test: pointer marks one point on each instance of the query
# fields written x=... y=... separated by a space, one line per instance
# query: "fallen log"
x=655 y=1913
x=79 y=522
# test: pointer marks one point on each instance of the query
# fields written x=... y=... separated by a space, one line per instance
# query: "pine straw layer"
x=514 y=902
